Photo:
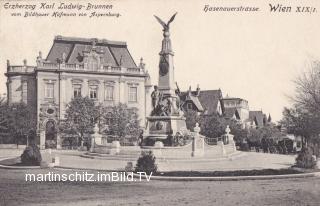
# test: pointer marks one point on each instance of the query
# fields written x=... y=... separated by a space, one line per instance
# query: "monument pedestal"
x=160 y=127
x=197 y=147
x=115 y=148
x=198 y=143
x=222 y=149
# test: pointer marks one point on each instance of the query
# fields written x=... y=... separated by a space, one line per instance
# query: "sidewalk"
x=250 y=160
x=247 y=161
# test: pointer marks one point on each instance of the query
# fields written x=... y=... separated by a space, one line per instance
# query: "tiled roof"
x=258 y=117
x=113 y=52
x=210 y=99
x=187 y=97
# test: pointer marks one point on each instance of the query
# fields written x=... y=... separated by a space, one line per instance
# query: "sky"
x=255 y=56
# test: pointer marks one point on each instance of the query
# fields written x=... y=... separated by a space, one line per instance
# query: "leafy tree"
x=80 y=117
x=20 y=122
x=4 y=135
x=121 y=121
x=212 y=126
x=301 y=122
x=237 y=129
x=192 y=118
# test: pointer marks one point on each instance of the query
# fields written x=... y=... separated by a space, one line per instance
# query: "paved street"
x=15 y=191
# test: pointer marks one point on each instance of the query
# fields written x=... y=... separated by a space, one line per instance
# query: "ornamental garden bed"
x=262 y=172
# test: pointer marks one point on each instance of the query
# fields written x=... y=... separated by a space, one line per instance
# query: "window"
x=108 y=93
x=189 y=106
x=76 y=90
x=93 y=93
x=49 y=89
x=93 y=62
x=133 y=94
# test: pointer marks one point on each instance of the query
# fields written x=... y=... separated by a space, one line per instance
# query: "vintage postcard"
x=172 y=102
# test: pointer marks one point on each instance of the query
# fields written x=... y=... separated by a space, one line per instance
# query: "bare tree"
x=303 y=118
x=307 y=95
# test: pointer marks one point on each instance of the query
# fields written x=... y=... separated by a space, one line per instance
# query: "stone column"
x=122 y=95
x=222 y=149
x=42 y=139
x=198 y=143
x=62 y=102
x=92 y=144
x=232 y=143
x=59 y=142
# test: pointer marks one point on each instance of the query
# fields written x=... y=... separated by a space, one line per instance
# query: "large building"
x=101 y=69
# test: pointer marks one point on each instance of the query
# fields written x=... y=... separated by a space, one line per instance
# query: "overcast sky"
x=254 y=56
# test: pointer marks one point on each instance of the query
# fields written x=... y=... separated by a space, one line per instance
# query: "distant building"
x=190 y=100
x=101 y=69
x=257 y=119
x=211 y=101
x=236 y=108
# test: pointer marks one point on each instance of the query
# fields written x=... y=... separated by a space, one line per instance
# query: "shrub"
x=305 y=159
x=31 y=156
x=146 y=163
x=244 y=146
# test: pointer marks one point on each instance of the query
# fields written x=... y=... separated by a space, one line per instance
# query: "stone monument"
x=166 y=118
x=198 y=143
x=97 y=136
x=229 y=138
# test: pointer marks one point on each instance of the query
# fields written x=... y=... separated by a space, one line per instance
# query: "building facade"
x=236 y=108
x=101 y=69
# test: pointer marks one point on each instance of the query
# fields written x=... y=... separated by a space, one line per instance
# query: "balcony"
x=20 y=69
x=83 y=67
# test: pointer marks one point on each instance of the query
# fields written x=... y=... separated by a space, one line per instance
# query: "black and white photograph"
x=149 y=102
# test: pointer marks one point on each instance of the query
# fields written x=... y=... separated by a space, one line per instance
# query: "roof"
x=258 y=117
x=113 y=53
x=231 y=112
x=233 y=98
x=191 y=97
x=210 y=99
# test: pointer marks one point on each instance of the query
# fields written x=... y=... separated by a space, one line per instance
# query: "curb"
x=230 y=157
x=86 y=169
x=16 y=167
x=225 y=178
x=230 y=178
x=172 y=178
